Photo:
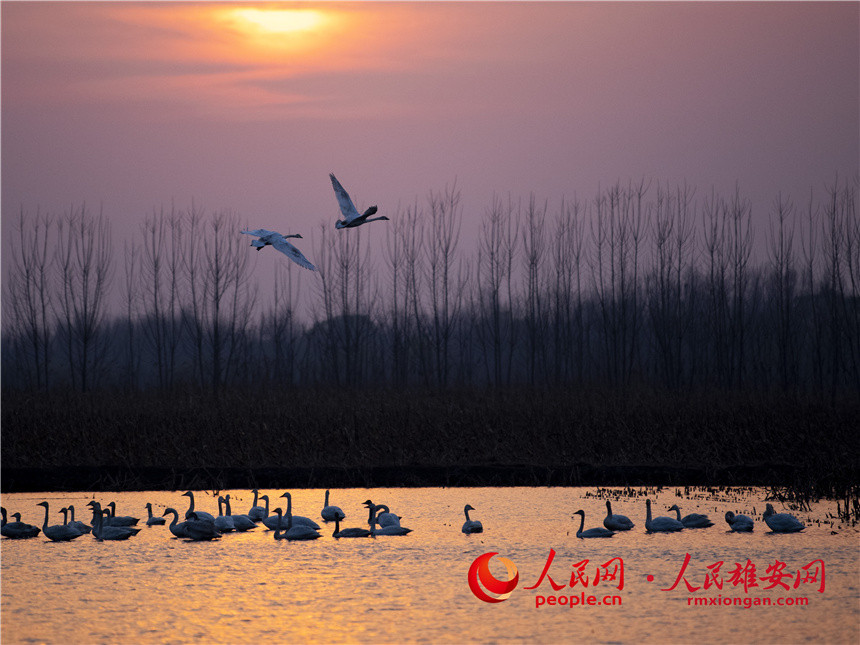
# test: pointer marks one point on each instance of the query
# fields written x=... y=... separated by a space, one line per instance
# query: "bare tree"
x=534 y=249
x=84 y=265
x=783 y=285
x=29 y=296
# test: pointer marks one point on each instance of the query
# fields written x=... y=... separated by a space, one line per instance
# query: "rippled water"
x=154 y=588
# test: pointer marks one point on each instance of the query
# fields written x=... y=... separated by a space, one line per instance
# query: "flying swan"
x=351 y=218
x=279 y=242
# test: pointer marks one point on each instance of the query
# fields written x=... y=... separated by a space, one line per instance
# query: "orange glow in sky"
x=279 y=21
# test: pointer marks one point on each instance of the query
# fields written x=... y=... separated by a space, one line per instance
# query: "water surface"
x=245 y=587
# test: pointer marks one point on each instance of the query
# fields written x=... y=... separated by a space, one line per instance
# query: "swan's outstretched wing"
x=346 y=206
x=260 y=232
x=293 y=253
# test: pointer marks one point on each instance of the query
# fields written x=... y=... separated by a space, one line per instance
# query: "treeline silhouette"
x=642 y=285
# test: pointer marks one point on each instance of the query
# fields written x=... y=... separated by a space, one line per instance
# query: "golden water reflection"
x=155 y=588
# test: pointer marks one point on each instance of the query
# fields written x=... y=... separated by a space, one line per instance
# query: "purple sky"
x=135 y=106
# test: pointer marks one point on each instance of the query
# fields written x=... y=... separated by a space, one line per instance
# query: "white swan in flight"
x=693 y=520
x=18 y=530
x=778 y=522
x=660 y=524
x=348 y=533
x=351 y=218
x=596 y=532
x=279 y=242
x=152 y=519
x=616 y=522
x=331 y=513
x=739 y=523
x=58 y=532
x=470 y=525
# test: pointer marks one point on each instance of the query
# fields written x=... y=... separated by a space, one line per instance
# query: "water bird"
x=781 y=522
x=351 y=218
x=153 y=519
x=391 y=529
x=77 y=524
x=616 y=522
x=290 y=531
x=739 y=523
x=119 y=520
x=102 y=531
x=331 y=513
x=298 y=520
x=240 y=521
x=201 y=515
x=176 y=527
x=256 y=512
x=693 y=520
x=470 y=525
x=385 y=518
x=279 y=242
x=596 y=532
x=17 y=530
x=200 y=528
x=224 y=523
x=348 y=533
x=660 y=524
x=58 y=532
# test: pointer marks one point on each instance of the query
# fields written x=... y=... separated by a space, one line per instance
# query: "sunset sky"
x=249 y=106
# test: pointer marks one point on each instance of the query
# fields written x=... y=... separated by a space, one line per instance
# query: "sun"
x=279 y=21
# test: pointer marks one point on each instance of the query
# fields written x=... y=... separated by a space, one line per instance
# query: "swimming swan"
x=176 y=527
x=200 y=528
x=241 y=522
x=224 y=523
x=279 y=242
x=272 y=522
x=331 y=513
x=693 y=520
x=119 y=520
x=257 y=513
x=660 y=524
x=596 y=532
x=77 y=524
x=58 y=532
x=471 y=526
x=351 y=218
x=17 y=530
x=616 y=522
x=385 y=518
x=348 y=533
x=739 y=523
x=152 y=519
x=201 y=515
x=780 y=522
x=291 y=532
x=102 y=531
x=385 y=530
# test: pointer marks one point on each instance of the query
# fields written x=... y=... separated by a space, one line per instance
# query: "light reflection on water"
x=154 y=588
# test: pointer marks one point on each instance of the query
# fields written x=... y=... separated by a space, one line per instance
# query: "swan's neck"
x=466 y=511
x=256 y=494
x=608 y=509
x=191 y=500
x=227 y=505
x=289 y=513
x=278 y=527
x=336 y=526
x=45 y=523
x=174 y=520
x=65 y=513
x=112 y=507
x=678 y=513
x=648 y=513
x=149 y=511
x=581 y=523
x=72 y=513
x=326 y=498
x=266 y=497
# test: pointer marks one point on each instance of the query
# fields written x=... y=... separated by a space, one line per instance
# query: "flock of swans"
x=199 y=525
x=351 y=219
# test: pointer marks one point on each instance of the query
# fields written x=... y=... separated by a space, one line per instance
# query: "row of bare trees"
x=643 y=284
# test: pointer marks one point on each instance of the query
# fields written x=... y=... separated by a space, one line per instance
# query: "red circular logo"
x=480 y=571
